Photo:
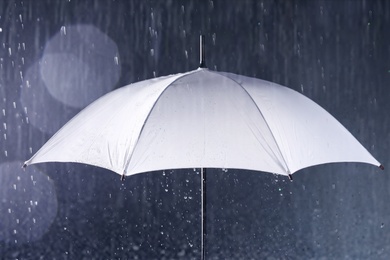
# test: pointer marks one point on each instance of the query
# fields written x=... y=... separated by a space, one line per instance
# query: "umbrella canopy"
x=203 y=119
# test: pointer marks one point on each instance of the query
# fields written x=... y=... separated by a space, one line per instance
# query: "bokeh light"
x=28 y=203
x=42 y=110
x=80 y=64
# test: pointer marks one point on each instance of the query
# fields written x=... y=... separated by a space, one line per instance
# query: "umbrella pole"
x=203 y=213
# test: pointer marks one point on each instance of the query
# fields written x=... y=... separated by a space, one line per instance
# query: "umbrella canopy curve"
x=203 y=119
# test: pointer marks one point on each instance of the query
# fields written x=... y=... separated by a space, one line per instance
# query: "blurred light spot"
x=31 y=208
x=80 y=64
x=42 y=110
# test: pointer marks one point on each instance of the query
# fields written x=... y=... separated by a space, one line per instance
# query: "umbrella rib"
x=150 y=111
x=269 y=128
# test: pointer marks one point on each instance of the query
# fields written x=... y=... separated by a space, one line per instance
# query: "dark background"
x=335 y=52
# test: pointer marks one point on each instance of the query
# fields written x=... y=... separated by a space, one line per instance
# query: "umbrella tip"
x=24 y=166
x=290 y=177
x=381 y=167
x=202 y=63
x=123 y=176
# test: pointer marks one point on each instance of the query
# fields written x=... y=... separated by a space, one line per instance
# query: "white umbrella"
x=203 y=119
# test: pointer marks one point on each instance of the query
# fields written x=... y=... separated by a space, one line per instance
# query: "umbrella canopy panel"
x=206 y=120
x=105 y=133
x=306 y=133
x=203 y=119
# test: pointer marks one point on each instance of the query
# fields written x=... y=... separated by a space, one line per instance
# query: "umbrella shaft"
x=203 y=213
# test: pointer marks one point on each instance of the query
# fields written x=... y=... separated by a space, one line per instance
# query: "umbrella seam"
x=150 y=111
x=269 y=128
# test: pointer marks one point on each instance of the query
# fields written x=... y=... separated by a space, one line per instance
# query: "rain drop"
x=262 y=47
x=63 y=30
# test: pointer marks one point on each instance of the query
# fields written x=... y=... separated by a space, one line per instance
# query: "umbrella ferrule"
x=202 y=60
